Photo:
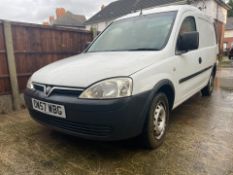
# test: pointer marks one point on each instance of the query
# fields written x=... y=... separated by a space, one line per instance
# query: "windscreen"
x=145 y=32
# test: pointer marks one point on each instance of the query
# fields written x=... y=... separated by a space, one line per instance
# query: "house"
x=228 y=35
x=67 y=19
x=216 y=9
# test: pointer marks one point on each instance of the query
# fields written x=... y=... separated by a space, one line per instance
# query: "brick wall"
x=229 y=42
x=219 y=26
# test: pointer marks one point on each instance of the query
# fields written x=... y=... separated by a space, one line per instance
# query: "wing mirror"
x=188 y=41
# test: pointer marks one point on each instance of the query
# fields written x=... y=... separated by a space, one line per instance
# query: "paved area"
x=199 y=141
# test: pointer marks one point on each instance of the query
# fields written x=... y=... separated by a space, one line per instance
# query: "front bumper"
x=114 y=119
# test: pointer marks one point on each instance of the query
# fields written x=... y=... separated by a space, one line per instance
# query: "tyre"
x=208 y=90
x=157 y=122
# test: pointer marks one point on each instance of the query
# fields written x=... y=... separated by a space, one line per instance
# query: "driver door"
x=188 y=64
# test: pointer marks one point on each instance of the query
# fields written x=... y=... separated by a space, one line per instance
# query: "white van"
x=129 y=79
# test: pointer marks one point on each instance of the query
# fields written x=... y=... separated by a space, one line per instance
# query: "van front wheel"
x=157 y=122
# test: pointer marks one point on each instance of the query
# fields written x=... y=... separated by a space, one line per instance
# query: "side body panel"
x=186 y=72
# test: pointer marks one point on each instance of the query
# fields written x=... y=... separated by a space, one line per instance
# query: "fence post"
x=11 y=64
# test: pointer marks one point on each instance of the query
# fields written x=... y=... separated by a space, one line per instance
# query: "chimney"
x=60 y=12
x=51 y=19
x=102 y=7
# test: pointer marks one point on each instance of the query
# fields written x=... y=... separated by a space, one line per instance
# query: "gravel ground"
x=199 y=141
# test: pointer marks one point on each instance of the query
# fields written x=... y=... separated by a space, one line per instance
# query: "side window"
x=188 y=25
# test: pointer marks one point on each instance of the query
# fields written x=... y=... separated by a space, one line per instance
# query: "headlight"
x=29 y=84
x=111 y=88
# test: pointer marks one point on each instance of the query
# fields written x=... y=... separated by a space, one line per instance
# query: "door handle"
x=200 y=60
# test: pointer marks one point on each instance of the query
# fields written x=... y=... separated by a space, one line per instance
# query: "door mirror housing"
x=188 y=41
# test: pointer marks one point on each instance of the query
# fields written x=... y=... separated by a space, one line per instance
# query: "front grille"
x=79 y=128
x=70 y=92
x=56 y=90
x=38 y=87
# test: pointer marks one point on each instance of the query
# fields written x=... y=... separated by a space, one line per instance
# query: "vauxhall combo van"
x=129 y=79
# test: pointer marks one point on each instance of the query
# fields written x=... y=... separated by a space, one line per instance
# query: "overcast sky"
x=37 y=11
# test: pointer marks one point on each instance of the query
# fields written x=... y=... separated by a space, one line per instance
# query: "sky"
x=37 y=11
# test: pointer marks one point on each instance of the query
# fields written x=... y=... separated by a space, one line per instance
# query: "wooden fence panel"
x=5 y=87
x=36 y=46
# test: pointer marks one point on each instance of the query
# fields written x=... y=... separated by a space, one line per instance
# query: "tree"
x=230 y=12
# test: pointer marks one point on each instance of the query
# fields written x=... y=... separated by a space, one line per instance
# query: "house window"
x=225 y=46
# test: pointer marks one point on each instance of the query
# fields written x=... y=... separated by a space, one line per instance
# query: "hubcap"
x=159 y=120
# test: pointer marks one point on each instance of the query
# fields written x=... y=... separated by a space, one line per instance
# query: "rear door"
x=208 y=48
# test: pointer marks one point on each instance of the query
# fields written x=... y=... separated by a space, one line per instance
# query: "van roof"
x=163 y=9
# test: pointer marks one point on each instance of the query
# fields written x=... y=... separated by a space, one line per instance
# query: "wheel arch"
x=214 y=70
x=164 y=86
x=167 y=87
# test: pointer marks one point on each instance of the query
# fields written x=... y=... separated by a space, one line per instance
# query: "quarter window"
x=188 y=25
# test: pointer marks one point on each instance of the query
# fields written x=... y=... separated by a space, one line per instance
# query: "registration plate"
x=49 y=108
